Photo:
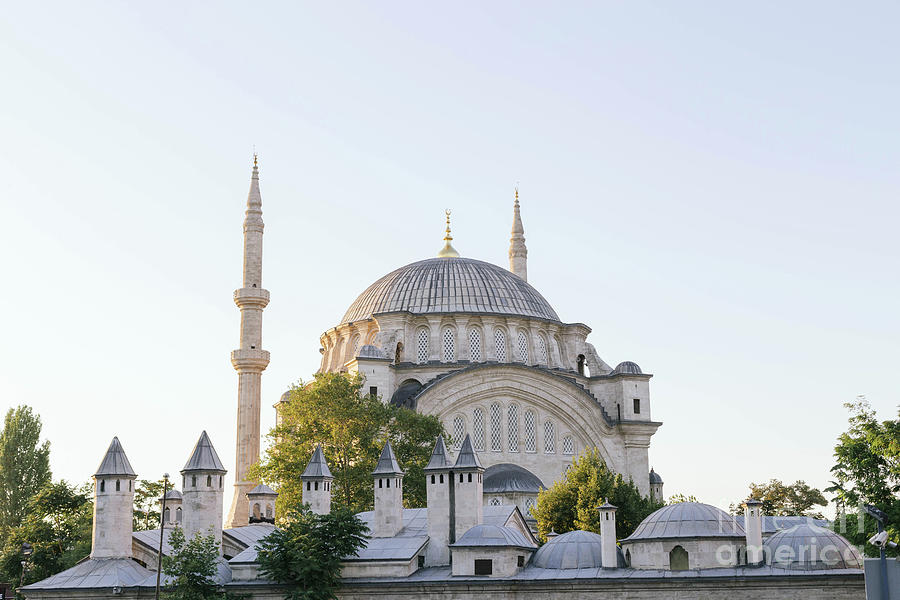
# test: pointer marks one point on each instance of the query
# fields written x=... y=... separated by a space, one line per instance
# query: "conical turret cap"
x=115 y=462
x=439 y=459
x=317 y=466
x=387 y=464
x=204 y=457
x=467 y=459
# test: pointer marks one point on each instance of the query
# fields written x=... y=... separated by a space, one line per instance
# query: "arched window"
x=529 y=504
x=628 y=558
x=178 y=514
x=559 y=350
x=102 y=485
x=542 y=350
x=422 y=346
x=118 y=488
x=268 y=511
x=256 y=511
x=495 y=502
x=337 y=356
x=475 y=345
x=459 y=431
x=398 y=353
x=678 y=559
x=496 y=434
x=512 y=428
x=478 y=429
x=522 y=346
x=568 y=445
x=167 y=515
x=530 y=433
x=209 y=481
x=549 y=438
x=449 y=345
x=500 y=344
x=579 y=364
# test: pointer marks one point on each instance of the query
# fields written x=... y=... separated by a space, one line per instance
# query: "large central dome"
x=449 y=285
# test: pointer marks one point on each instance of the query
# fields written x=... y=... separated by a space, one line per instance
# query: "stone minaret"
x=609 y=556
x=438 y=487
x=203 y=491
x=468 y=489
x=250 y=360
x=518 y=253
x=388 y=478
x=316 y=481
x=113 y=505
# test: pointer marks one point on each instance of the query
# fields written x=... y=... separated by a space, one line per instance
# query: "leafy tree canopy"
x=679 y=498
x=24 y=464
x=796 y=499
x=191 y=567
x=571 y=503
x=352 y=429
x=306 y=552
x=146 y=504
x=57 y=524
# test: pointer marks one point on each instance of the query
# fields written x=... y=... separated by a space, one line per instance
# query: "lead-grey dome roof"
x=687 y=520
x=807 y=547
x=507 y=477
x=448 y=285
x=574 y=550
x=627 y=367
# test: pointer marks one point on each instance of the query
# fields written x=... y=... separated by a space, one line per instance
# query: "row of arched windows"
x=502 y=351
x=487 y=431
x=168 y=514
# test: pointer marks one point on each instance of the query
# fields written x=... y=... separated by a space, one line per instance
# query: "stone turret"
x=250 y=360
x=468 y=489
x=113 y=505
x=203 y=491
x=438 y=490
x=317 y=479
x=753 y=530
x=173 y=514
x=388 y=495
x=609 y=556
x=261 y=501
x=518 y=253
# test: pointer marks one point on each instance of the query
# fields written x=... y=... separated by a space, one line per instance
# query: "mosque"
x=520 y=393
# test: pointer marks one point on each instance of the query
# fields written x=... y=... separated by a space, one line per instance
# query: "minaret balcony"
x=251 y=296
x=250 y=359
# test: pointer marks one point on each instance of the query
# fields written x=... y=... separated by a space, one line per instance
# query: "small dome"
x=627 y=368
x=573 y=550
x=507 y=477
x=654 y=477
x=808 y=547
x=286 y=397
x=492 y=535
x=687 y=520
x=173 y=494
x=370 y=351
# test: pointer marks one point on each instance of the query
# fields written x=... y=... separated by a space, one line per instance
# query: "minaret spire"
x=518 y=253
x=250 y=360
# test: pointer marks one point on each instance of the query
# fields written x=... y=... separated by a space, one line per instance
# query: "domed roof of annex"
x=686 y=520
x=507 y=477
x=449 y=285
x=808 y=547
x=574 y=550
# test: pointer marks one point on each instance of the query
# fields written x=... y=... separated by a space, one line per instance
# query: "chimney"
x=753 y=528
x=609 y=555
x=388 y=495
x=438 y=489
x=316 y=480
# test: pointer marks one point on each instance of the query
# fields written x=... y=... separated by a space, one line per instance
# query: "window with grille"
x=542 y=350
x=512 y=428
x=449 y=345
x=491 y=502
x=549 y=442
x=529 y=504
x=422 y=346
x=568 y=445
x=530 y=434
x=523 y=346
x=496 y=435
x=459 y=431
x=478 y=429
x=474 y=345
x=354 y=347
x=500 y=343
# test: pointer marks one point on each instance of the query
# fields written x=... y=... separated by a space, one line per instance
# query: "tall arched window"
x=549 y=438
x=522 y=346
x=512 y=428
x=678 y=559
x=568 y=445
x=422 y=346
x=178 y=514
x=398 y=353
x=167 y=515
x=559 y=350
x=542 y=350
x=459 y=431
x=337 y=355
x=478 y=428
x=475 y=344
x=500 y=344
x=496 y=434
x=529 y=504
x=530 y=433
x=354 y=347
x=449 y=345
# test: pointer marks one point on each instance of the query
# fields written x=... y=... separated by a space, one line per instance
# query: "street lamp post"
x=162 y=530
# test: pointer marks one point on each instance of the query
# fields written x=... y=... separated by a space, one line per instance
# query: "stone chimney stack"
x=753 y=528
x=388 y=495
x=203 y=491
x=261 y=502
x=439 y=489
x=468 y=489
x=316 y=481
x=609 y=555
x=113 y=505
x=173 y=514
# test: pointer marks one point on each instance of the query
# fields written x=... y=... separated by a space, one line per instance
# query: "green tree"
x=146 y=504
x=24 y=464
x=57 y=524
x=306 y=552
x=867 y=471
x=796 y=499
x=679 y=498
x=352 y=429
x=571 y=503
x=192 y=567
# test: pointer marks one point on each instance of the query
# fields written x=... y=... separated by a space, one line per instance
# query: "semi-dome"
x=808 y=547
x=574 y=550
x=687 y=520
x=627 y=368
x=510 y=478
x=449 y=285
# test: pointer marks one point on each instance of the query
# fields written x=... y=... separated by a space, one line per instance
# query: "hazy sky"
x=713 y=189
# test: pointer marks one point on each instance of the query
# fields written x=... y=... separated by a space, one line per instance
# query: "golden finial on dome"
x=255 y=163
x=448 y=251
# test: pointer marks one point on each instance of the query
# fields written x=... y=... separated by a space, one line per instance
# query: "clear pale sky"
x=713 y=189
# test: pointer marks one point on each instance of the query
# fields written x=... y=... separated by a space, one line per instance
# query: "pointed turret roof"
x=115 y=462
x=467 y=459
x=254 y=198
x=204 y=457
x=262 y=490
x=317 y=466
x=517 y=227
x=439 y=459
x=387 y=464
